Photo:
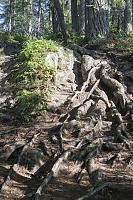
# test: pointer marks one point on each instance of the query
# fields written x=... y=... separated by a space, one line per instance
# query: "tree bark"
x=55 y=23
x=82 y=17
x=39 y=18
x=97 y=24
x=74 y=14
x=128 y=16
x=14 y=16
x=61 y=20
x=30 y=17
x=10 y=15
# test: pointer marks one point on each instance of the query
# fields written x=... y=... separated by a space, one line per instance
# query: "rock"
x=97 y=62
x=52 y=60
x=64 y=62
x=86 y=65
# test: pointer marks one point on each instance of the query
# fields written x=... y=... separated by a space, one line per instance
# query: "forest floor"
x=22 y=182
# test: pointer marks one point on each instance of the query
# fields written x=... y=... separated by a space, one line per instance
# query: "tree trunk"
x=82 y=17
x=61 y=20
x=128 y=16
x=14 y=16
x=119 y=20
x=74 y=14
x=30 y=17
x=10 y=15
x=39 y=18
x=55 y=23
x=97 y=24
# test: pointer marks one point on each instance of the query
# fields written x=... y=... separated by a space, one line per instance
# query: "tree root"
x=81 y=136
x=57 y=167
x=116 y=88
x=95 y=191
x=15 y=166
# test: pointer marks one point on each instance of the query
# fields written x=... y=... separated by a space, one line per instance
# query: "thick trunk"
x=97 y=24
x=55 y=23
x=82 y=17
x=128 y=16
x=74 y=14
x=61 y=20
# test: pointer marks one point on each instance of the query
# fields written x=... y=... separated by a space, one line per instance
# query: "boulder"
x=64 y=62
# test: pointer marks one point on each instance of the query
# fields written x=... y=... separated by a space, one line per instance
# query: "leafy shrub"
x=6 y=36
x=98 y=43
x=28 y=102
x=31 y=75
x=76 y=38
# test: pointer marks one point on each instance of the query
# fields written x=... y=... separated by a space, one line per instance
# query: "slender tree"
x=10 y=15
x=82 y=16
x=39 y=18
x=128 y=17
x=14 y=16
x=30 y=17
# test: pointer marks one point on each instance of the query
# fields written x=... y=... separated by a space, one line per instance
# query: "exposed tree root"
x=15 y=166
x=9 y=151
x=31 y=141
x=87 y=120
x=57 y=167
x=95 y=191
x=93 y=135
x=116 y=88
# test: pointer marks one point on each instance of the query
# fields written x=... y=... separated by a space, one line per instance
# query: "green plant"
x=6 y=36
x=75 y=38
x=28 y=102
x=93 y=146
x=31 y=75
x=99 y=43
